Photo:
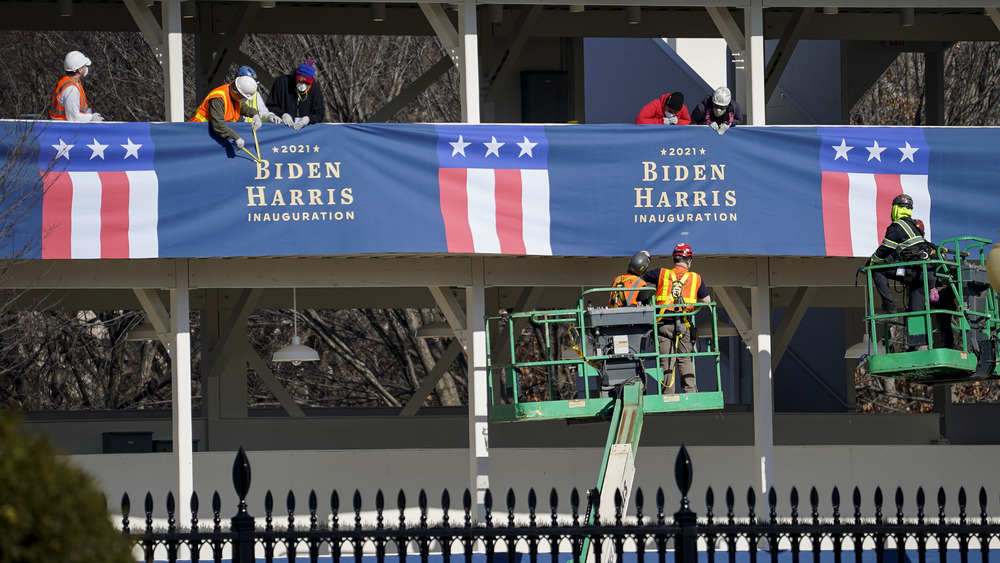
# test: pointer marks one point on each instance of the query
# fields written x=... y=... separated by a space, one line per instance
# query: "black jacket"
x=284 y=99
x=903 y=241
x=699 y=117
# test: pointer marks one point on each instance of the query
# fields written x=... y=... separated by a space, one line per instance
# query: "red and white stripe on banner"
x=857 y=208
x=100 y=215
x=496 y=211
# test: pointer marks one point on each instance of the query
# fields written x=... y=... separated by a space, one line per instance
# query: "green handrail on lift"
x=506 y=401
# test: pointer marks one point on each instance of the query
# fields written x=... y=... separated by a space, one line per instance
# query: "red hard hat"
x=684 y=250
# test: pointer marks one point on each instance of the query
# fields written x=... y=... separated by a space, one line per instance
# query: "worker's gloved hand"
x=274 y=118
x=723 y=128
x=96 y=118
x=714 y=125
x=239 y=143
x=670 y=119
x=255 y=124
x=287 y=120
x=301 y=122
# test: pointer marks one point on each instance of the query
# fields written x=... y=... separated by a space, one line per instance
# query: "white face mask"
x=718 y=111
x=302 y=87
x=86 y=70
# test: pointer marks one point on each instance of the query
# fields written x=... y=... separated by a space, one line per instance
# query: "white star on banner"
x=526 y=147
x=98 y=149
x=875 y=152
x=841 y=150
x=131 y=149
x=493 y=147
x=907 y=152
x=459 y=146
x=62 y=149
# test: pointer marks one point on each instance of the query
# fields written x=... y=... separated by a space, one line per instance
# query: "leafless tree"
x=971 y=89
x=359 y=74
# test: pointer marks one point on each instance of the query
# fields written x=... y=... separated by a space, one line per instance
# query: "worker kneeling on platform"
x=676 y=287
x=632 y=280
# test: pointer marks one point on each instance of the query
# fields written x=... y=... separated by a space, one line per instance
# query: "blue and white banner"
x=138 y=190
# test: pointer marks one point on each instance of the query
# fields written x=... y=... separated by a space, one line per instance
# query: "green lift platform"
x=565 y=363
x=594 y=364
x=968 y=306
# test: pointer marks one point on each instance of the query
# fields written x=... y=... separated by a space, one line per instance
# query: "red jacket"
x=653 y=113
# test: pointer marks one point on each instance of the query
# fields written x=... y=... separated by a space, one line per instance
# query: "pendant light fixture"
x=296 y=352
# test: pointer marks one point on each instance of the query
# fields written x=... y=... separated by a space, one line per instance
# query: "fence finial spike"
x=241 y=478
x=683 y=472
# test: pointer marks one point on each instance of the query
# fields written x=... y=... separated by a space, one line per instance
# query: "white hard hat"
x=245 y=85
x=721 y=96
x=75 y=60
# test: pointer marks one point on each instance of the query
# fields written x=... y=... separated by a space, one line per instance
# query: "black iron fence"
x=680 y=537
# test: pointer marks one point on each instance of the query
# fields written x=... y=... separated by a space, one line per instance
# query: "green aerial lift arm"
x=618 y=464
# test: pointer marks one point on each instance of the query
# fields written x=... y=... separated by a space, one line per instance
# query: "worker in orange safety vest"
x=226 y=104
x=632 y=279
x=676 y=287
x=69 y=101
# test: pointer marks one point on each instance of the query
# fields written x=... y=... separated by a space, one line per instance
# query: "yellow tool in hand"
x=255 y=158
x=255 y=143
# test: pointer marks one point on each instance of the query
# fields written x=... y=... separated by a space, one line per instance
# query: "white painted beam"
x=994 y=13
x=450 y=307
x=728 y=28
x=755 y=105
x=479 y=456
x=763 y=382
x=504 y=65
x=736 y=310
x=180 y=384
x=430 y=382
x=411 y=91
x=272 y=383
x=234 y=332
x=783 y=50
x=147 y=24
x=156 y=313
x=443 y=28
x=229 y=48
x=172 y=61
x=469 y=65
x=381 y=273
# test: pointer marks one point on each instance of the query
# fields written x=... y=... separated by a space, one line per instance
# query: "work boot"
x=888 y=309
